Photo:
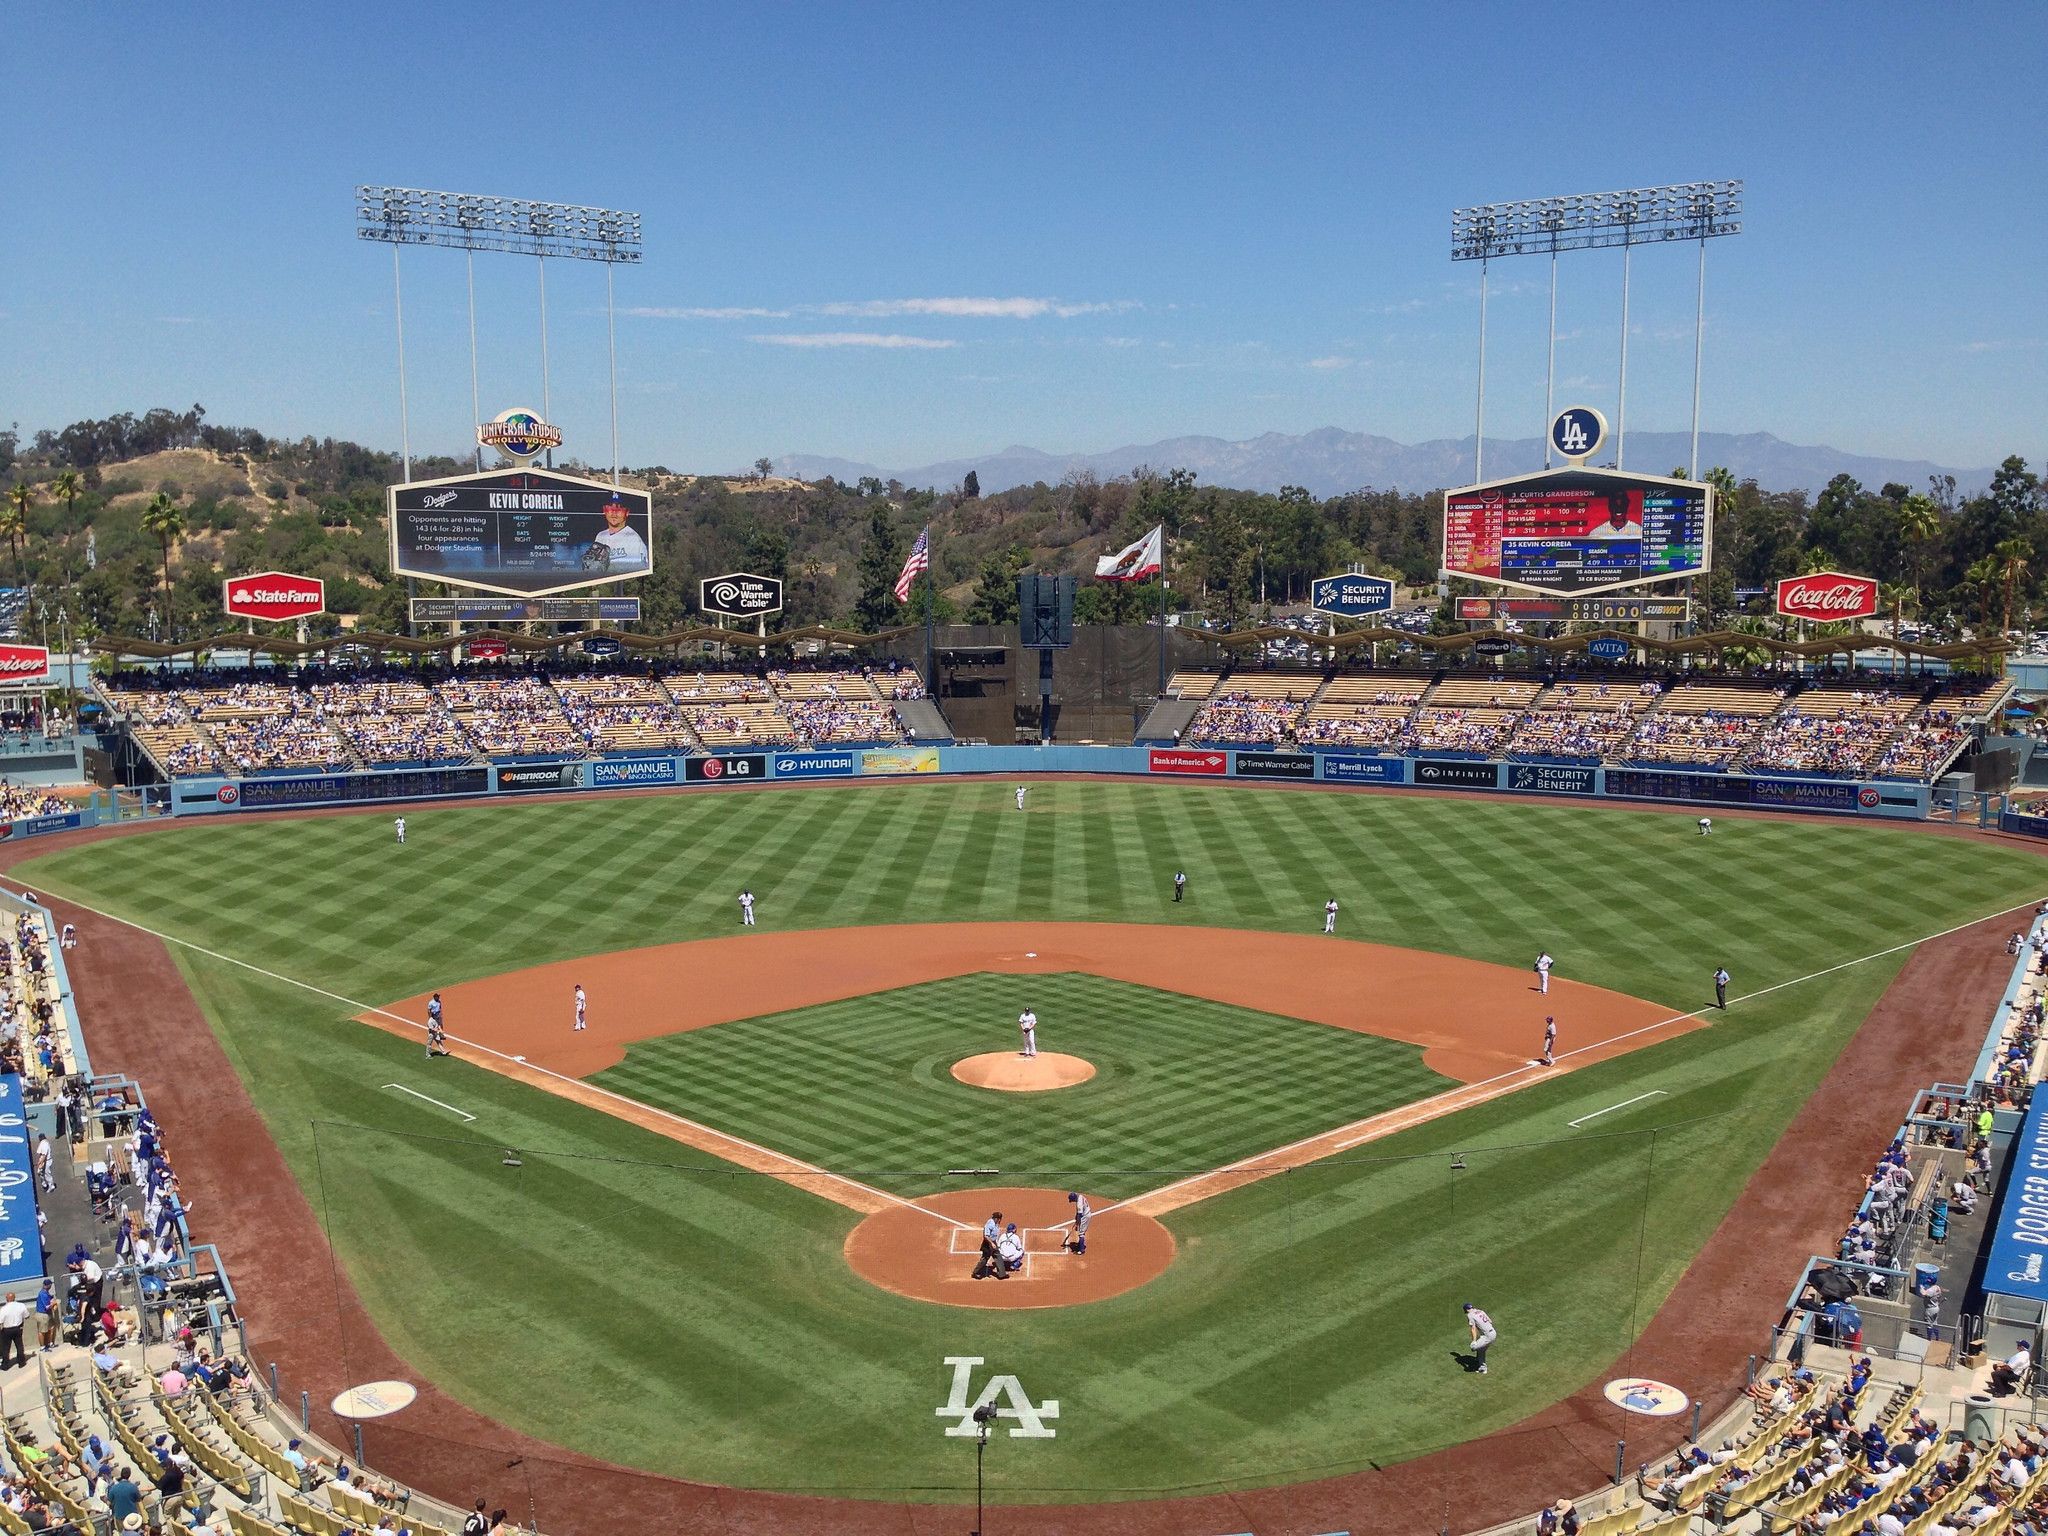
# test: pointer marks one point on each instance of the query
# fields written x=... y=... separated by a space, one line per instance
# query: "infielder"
x=399 y=826
x=1027 y=1024
x=1706 y=826
x=1083 y=1213
x=1543 y=964
x=1330 y=915
x=1020 y=797
x=1549 y=1041
x=746 y=909
x=1482 y=1334
x=580 y=1006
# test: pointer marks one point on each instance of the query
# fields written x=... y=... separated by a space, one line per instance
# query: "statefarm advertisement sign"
x=1829 y=596
x=274 y=596
x=24 y=665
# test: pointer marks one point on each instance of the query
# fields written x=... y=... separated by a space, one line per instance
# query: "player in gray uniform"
x=1083 y=1214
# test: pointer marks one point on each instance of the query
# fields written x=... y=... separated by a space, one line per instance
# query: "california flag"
x=1142 y=559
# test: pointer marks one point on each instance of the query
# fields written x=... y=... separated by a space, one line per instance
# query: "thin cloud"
x=965 y=308
x=1330 y=363
x=720 y=312
x=851 y=339
x=2007 y=344
x=177 y=320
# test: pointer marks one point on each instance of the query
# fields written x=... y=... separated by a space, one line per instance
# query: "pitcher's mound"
x=917 y=1251
x=1012 y=1073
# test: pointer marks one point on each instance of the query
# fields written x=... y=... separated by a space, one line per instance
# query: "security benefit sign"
x=21 y=1246
x=522 y=532
x=1352 y=597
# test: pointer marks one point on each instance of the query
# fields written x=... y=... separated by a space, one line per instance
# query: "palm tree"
x=1919 y=525
x=1894 y=595
x=164 y=520
x=14 y=525
x=2011 y=556
x=1982 y=580
x=68 y=484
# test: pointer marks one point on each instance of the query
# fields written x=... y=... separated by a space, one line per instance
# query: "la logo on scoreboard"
x=1577 y=433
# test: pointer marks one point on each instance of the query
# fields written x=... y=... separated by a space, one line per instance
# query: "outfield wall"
x=1845 y=797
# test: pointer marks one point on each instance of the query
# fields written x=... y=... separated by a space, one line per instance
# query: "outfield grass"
x=692 y=1319
x=1181 y=1084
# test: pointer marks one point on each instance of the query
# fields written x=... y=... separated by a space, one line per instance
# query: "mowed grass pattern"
x=864 y=1086
x=689 y=1318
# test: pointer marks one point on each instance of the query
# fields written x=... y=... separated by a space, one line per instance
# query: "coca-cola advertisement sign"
x=1829 y=596
x=274 y=596
x=24 y=664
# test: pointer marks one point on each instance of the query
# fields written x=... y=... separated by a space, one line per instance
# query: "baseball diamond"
x=735 y=1215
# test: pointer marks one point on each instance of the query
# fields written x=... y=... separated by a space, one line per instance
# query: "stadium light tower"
x=468 y=222
x=1691 y=210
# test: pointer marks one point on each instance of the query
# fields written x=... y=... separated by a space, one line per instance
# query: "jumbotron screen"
x=522 y=532
x=1575 y=531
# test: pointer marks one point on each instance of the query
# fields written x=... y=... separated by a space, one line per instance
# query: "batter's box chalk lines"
x=435 y=1102
x=1424 y=1110
x=793 y=1165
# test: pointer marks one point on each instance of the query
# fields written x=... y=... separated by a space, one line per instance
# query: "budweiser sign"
x=1829 y=596
x=24 y=664
x=273 y=595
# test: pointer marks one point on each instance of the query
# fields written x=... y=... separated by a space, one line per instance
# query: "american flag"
x=920 y=561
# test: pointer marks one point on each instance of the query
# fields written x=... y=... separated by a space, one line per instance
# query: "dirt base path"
x=1472 y=1020
x=902 y=1251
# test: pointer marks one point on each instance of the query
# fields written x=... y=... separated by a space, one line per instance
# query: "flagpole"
x=1162 y=615
x=931 y=608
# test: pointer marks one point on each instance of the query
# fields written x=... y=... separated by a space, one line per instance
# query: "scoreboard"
x=1574 y=532
x=520 y=532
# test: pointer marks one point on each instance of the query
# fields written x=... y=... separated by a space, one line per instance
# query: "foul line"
x=518 y=1064
x=435 y=1102
x=1654 y=1093
x=1257 y=1166
x=1262 y=1164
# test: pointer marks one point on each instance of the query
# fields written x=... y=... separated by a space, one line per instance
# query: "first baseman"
x=1543 y=964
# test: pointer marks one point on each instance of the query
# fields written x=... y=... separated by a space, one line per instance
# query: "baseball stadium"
x=1300 y=985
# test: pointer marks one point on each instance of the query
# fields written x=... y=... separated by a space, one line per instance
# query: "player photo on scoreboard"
x=1575 y=531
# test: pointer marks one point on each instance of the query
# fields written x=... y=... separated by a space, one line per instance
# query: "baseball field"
x=668 y=1272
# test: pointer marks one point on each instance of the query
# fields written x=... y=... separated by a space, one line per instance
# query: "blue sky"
x=1217 y=219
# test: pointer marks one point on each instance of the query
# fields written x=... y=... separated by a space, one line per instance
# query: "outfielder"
x=580 y=1005
x=1083 y=1213
x=746 y=909
x=1706 y=826
x=1027 y=1024
x=1543 y=964
x=1330 y=915
x=399 y=827
x=1482 y=1334
x=1020 y=796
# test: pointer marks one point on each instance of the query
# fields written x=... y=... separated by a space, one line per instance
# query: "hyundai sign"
x=1352 y=597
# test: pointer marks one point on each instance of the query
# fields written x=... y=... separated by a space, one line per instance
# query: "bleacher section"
x=1369 y=712
x=1702 y=725
x=391 y=723
x=1840 y=732
x=624 y=714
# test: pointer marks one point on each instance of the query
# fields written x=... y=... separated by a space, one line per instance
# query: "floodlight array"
x=467 y=221
x=1691 y=210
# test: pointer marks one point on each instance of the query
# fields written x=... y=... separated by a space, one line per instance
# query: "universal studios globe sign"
x=520 y=435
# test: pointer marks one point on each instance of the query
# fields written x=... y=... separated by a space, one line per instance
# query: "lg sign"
x=1829 y=596
x=274 y=596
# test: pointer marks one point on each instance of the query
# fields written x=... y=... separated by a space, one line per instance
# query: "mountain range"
x=1331 y=461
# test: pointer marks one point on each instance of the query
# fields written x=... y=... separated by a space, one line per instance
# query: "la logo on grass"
x=1029 y=1417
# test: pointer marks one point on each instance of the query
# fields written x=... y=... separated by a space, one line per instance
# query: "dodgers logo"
x=1027 y=1418
x=1578 y=431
